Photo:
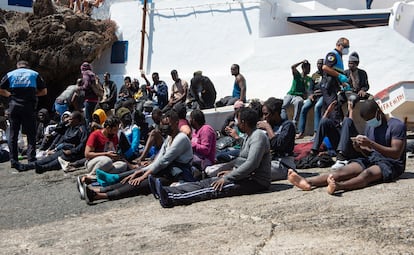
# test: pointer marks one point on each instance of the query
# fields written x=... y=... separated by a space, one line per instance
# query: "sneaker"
x=151 y=184
x=63 y=164
x=299 y=136
x=89 y=194
x=339 y=164
x=162 y=193
x=79 y=185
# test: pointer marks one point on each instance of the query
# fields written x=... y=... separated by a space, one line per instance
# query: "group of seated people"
x=178 y=160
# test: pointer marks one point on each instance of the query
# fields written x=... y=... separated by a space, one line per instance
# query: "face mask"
x=345 y=51
x=374 y=122
x=166 y=129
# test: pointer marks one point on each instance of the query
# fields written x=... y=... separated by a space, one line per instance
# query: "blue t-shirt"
x=392 y=129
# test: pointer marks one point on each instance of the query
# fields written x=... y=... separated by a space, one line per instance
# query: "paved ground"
x=42 y=214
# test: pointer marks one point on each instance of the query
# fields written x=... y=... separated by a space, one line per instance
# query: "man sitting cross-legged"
x=383 y=146
x=251 y=173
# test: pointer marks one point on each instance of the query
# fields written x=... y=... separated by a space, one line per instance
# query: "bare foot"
x=331 y=188
x=298 y=180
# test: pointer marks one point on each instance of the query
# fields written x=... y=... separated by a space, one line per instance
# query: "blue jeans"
x=89 y=109
x=307 y=105
x=297 y=102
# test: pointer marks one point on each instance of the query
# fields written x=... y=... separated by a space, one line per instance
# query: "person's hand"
x=362 y=93
x=218 y=184
x=232 y=132
x=112 y=154
x=311 y=97
x=342 y=78
x=67 y=152
x=131 y=176
x=263 y=125
x=136 y=181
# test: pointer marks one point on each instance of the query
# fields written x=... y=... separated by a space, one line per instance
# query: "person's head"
x=306 y=67
x=65 y=116
x=155 y=77
x=246 y=120
x=319 y=64
x=353 y=61
x=148 y=106
x=343 y=45
x=181 y=110
x=271 y=110
x=107 y=76
x=235 y=69
x=124 y=114
x=22 y=64
x=75 y=118
x=99 y=116
x=85 y=66
x=256 y=105
x=198 y=73
x=371 y=113
x=127 y=81
x=156 y=115
x=43 y=115
x=111 y=126
x=139 y=118
x=174 y=75
x=197 y=119
x=169 y=123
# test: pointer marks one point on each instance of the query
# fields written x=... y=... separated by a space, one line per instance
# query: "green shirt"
x=299 y=85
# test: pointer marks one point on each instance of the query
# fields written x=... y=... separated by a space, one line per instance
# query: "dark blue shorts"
x=390 y=168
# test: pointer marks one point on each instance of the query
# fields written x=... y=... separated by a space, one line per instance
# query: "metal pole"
x=144 y=17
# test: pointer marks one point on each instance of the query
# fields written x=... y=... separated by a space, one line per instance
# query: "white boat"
x=397 y=100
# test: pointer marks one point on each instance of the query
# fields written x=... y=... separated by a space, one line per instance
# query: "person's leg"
x=102 y=162
x=286 y=102
x=123 y=143
x=346 y=173
x=297 y=107
x=227 y=155
x=317 y=113
x=367 y=176
x=326 y=128
x=191 y=192
x=345 y=148
x=15 y=122
x=152 y=137
x=307 y=105
x=29 y=125
x=89 y=108
x=232 y=100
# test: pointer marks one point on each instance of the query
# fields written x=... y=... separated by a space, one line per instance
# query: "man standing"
x=91 y=99
x=22 y=86
x=110 y=93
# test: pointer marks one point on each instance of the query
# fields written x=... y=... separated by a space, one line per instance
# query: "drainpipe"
x=144 y=17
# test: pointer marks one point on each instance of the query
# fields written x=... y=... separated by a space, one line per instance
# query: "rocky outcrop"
x=54 y=40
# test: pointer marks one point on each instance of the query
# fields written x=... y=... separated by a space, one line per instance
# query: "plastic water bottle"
x=331 y=150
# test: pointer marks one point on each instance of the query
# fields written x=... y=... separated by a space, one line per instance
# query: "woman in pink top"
x=203 y=141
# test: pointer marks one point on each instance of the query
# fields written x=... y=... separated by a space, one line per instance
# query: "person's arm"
x=295 y=66
x=264 y=125
x=90 y=153
x=256 y=151
x=241 y=81
x=5 y=93
x=42 y=92
x=83 y=137
x=283 y=140
x=113 y=93
x=136 y=136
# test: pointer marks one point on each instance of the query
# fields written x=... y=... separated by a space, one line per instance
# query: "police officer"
x=334 y=78
x=22 y=86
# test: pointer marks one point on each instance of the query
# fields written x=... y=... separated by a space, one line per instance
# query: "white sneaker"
x=339 y=164
x=63 y=163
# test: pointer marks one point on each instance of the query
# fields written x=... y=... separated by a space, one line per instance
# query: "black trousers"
x=25 y=117
x=191 y=192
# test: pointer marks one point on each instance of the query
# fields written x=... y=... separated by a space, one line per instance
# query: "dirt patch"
x=42 y=214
